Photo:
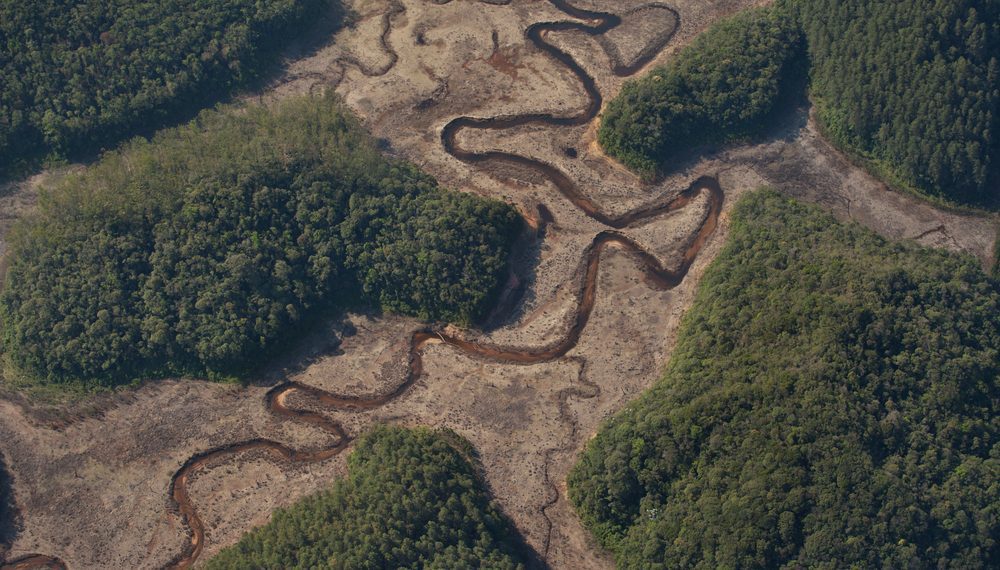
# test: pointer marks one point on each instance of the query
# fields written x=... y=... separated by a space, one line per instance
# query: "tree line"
x=411 y=499
x=78 y=75
x=913 y=87
x=8 y=512
x=723 y=86
x=201 y=250
x=833 y=402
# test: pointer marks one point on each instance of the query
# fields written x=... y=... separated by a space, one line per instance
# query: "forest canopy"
x=77 y=75
x=724 y=85
x=832 y=402
x=411 y=500
x=8 y=512
x=912 y=87
x=199 y=251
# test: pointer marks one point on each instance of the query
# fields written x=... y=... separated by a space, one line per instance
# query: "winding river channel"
x=276 y=399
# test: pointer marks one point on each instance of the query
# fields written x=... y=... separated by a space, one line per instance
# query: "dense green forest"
x=78 y=75
x=723 y=85
x=197 y=252
x=411 y=500
x=832 y=402
x=913 y=85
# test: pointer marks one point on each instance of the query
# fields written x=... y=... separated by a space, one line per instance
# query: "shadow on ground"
x=8 y=511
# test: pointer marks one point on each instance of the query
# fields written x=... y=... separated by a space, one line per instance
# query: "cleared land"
x=95 y=490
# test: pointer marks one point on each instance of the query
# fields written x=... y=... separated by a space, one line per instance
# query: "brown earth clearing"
x=160 y=474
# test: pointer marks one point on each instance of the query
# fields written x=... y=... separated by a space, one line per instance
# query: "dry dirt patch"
x=96 y=493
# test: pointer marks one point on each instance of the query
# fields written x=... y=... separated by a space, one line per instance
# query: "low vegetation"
x=411 y=500
x=77 y=75
x=199 y=251
x=915 y=86
x=724 y=85
x=833 y=402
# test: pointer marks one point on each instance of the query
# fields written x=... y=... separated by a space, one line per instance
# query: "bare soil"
x=93 y=489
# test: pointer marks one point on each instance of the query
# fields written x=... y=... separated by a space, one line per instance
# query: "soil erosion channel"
x=657 y=276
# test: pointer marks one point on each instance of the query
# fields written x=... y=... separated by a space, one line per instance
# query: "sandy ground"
x=94 y=491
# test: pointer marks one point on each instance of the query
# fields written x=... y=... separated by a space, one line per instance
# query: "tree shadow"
x=316 y=33
x=786 y=119
x=10 y=518
x=511 y=303
x=318 y=338
x=514 y=541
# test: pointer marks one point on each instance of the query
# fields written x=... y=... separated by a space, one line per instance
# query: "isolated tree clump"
x=411 y=500
x=833 y=402
x=724 y=85
x=202 y=250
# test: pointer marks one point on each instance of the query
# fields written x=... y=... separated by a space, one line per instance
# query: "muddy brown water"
x=657 y=276
x=275 y=400
x=33 y=561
